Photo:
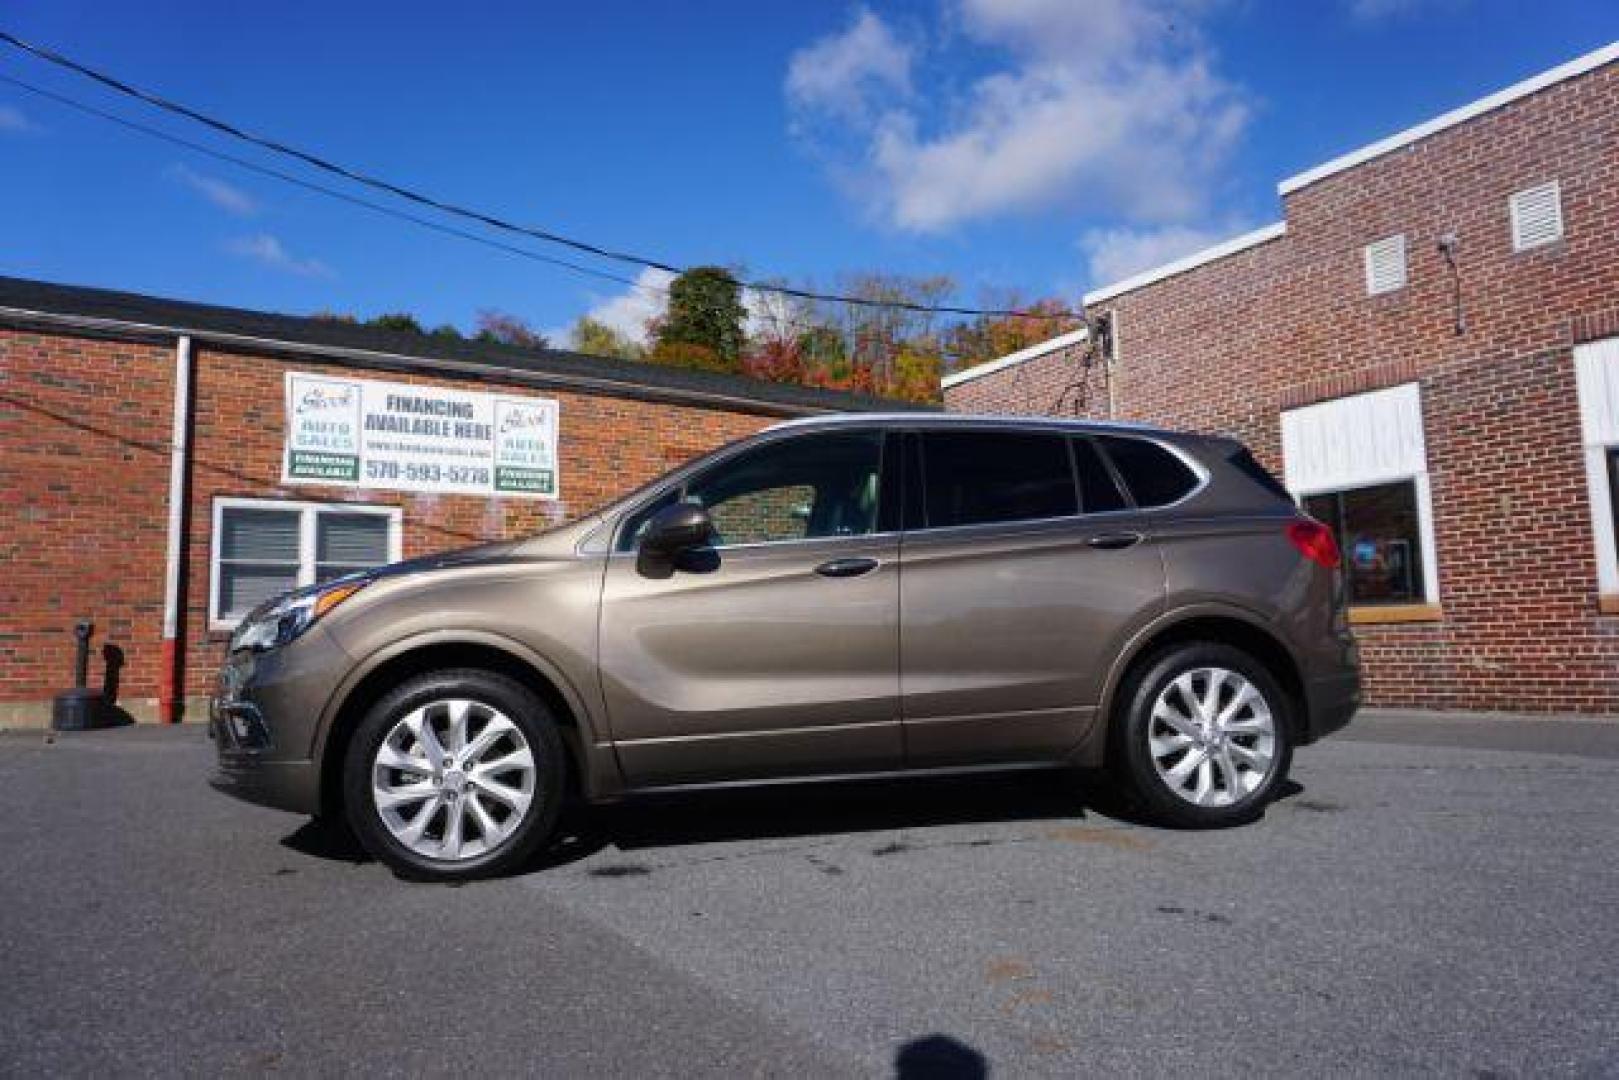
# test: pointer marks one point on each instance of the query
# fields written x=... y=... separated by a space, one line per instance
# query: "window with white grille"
x=1385 y=265
x=265 y=547
x=1537 y=216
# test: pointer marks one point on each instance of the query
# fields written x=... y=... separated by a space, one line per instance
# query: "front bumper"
x=264 y=719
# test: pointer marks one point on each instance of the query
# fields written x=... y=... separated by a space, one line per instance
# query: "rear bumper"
x=1330 y=703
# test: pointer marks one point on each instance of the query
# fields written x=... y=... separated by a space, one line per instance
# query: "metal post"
x=179 y=463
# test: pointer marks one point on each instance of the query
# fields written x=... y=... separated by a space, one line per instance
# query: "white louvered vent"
x=1385 y=265
x=1537 y=216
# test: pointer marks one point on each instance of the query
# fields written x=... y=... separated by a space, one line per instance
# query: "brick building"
x=164 y=533
x=1426 y=349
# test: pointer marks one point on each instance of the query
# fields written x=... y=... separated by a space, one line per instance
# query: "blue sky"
x=1042 y=146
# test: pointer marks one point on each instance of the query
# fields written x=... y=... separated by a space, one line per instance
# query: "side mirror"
x=677 y=528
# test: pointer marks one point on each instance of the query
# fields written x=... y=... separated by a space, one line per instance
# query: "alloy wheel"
x=453 y=779
x=1212 y=737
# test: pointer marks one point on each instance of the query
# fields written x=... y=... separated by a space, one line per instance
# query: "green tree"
x=595 y=338
x=703 y=326
x=400 y=322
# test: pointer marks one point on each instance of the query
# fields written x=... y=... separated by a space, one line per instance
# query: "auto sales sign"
x=366 y=433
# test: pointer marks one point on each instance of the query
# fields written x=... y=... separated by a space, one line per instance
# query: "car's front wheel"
x=454 y=775
x=1205 y=737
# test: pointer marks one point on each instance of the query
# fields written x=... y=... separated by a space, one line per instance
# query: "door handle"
x=846 y=567
x=1115 y=541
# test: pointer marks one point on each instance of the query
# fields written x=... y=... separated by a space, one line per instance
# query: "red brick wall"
x=1229 y=345
x=84 y=467
x=84 y=472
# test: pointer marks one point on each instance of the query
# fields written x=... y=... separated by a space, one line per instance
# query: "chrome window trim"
x=916 y=425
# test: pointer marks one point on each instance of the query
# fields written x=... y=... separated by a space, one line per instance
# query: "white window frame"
x=308 y=513
x=1392 y=421
x=1369 y=255
x=1596 y=374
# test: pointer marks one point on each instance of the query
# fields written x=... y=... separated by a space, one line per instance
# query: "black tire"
x=1132 y=758
x=517 y=703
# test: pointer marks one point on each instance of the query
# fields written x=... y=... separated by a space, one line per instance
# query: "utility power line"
x=487 y=219
x=310 y=185
x=660 y=292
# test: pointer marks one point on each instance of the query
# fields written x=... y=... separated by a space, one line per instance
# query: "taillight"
x=1314 y=541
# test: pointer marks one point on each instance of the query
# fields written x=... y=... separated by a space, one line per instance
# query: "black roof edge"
x=107 y=312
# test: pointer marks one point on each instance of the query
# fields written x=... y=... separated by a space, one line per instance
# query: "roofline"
x=950 y=419
x=429 y=365
x=1188 y=262
x=1563 y=72
x=1061 y=341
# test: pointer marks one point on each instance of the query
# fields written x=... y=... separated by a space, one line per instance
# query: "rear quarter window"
x=1153 y=475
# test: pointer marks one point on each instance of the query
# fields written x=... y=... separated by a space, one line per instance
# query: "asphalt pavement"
x=1431 y=896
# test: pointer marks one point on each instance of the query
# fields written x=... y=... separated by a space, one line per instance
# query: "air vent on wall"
x=1385 y=265
x=1537 y=216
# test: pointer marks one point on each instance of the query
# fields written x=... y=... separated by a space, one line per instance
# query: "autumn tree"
x=779 y=361
x=989 y=337
x=596 y=338
x=898 y=310
x=501 y=328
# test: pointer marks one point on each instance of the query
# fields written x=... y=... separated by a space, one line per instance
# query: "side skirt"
x=845 y=777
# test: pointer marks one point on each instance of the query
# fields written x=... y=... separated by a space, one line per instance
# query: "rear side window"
x=1154 y=476
x=984 y=477
x=1098 y=492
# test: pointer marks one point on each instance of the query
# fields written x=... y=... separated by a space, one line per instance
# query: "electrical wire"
x=656 y=291
x=399 y=191
x=310 y=185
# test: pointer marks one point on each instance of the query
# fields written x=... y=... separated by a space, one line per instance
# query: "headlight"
x=282 y=621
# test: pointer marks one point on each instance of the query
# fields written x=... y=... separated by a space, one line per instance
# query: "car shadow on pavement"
x=792 y=810
x=835 y=808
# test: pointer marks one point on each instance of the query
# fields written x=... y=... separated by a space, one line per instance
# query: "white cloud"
x=227 y=197
x=1115 y=254
x=630 y=311
x=13 y=121
x=1111 y=105
x=1371 y=11
x=266 y=249
x=840 y=73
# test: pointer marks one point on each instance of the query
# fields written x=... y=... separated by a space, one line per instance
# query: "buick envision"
x=840 y=596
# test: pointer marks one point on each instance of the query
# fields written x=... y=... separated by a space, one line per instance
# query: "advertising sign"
x=366 y=433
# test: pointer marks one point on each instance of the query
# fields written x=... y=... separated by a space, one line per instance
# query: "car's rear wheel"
x=1206 y=736
x=454 y=775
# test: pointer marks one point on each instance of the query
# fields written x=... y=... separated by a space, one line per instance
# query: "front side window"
x=1378 y=532
x=810 y=487
x=988 y=477
x=265 y=547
